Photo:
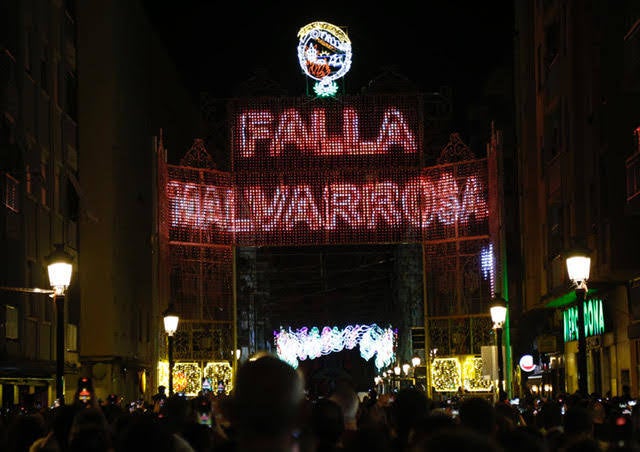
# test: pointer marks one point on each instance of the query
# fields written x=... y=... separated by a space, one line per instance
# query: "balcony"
x=633 y=183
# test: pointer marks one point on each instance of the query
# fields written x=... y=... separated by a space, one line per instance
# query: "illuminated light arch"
x=305 y=343
x=311 y=173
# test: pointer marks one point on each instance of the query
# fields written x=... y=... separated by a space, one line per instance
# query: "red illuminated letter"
x=254 y=126
x=342 y=200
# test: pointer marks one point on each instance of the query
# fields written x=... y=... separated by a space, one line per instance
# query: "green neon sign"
x=593 y=320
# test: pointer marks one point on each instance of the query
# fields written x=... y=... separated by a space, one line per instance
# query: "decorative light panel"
x=472 y=378
x=446 y=374
x=187 y=378
x=219 y=371
x=312 y=174
x=163 y=373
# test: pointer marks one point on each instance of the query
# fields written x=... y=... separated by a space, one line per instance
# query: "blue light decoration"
x=306 y=343
x=488 y=266
x=324 y=53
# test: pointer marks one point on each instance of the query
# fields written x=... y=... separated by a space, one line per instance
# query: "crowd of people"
x=269 y=410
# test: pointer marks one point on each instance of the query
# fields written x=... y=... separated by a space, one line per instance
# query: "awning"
x=566 y=299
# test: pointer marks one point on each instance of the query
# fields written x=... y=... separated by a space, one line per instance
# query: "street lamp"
x=498 y=316
x=59 y=264
x=170 y=326
x=578 y=266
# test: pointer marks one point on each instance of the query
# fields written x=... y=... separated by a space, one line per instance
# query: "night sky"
x=432 y=43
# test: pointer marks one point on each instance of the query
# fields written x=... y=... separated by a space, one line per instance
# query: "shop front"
x=599 y=347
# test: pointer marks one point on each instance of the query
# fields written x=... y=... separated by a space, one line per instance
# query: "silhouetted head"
x=478 y=414
x=267 y=397
x=327 y=421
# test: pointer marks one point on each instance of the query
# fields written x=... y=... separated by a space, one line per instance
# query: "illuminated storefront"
x=594 y=330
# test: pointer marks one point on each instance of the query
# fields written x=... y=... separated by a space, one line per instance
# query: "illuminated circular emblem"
x=526 y=363
x=324 y=53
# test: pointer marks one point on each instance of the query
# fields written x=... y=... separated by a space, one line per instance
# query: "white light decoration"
x=405 y=368
x=415 y=361
x=488 y=266
x=324 y=54
x=306 y=343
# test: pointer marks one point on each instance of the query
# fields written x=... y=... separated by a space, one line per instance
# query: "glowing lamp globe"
x=578 y=266
x=498 y=312
x=170 y=320
x=60 y=268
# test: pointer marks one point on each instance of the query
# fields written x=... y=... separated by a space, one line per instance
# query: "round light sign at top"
x=526 y=363
x=324 y=53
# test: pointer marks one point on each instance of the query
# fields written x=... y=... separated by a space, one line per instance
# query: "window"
x=28 y=179
x=555 y=230
x=43 y=183
x=71 y=338
x=551 y=42
x=11 y=316
x=11 y=193
x=27 y=50
x=56 y=189
x=71 y=94
x=44 y=69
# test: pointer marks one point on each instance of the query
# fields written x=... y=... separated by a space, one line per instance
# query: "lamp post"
x=498 y=315
x=59 y=265
x=578 y=266
x=170 y=326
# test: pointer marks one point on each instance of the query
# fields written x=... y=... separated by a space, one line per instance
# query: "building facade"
x=576 y=113
x=85 y=87
x=39 y=173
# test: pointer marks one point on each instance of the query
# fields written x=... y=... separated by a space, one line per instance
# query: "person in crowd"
x=144 y=431
x=159 y=398
x=461 y=439
x=578 y=426
x=479 y=415
x=90 y=431
x=327 y=425
x=176 y=416
x=24 y=430
x=266 y=403
x=57 y=437
x=408 y=411
x=85 y=396
x=345 y=395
